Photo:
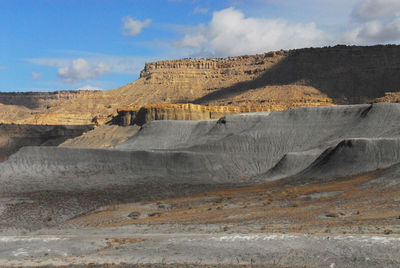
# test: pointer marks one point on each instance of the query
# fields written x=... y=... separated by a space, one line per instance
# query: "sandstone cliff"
x=140 y=115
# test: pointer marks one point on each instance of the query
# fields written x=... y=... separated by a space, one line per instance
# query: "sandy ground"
x=271 y=250
x=347 y=222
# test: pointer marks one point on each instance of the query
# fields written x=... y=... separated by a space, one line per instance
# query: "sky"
x=48 y=45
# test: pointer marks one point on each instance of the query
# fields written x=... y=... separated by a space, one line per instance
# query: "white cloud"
x=200 y=10
x=196 y=39
x=130 y=65
x=80 y=70
x=377 y=31
x=368 y=10
x=231 y=33
x=133 y=27
x=36 y=76
x=378 y=21
x=89 y=88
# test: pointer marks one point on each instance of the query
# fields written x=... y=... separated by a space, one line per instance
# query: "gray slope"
x=353 y=156
x=234 y=149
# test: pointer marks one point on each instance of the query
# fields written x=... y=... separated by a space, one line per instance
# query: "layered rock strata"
x=140 y=115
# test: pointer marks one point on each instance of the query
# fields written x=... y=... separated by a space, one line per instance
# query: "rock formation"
x=139 y=115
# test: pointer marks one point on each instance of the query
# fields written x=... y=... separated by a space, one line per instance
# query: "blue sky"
x=50 y=45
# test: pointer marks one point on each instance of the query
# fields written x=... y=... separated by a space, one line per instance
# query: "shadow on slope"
x=13 y=136
x=348 y=75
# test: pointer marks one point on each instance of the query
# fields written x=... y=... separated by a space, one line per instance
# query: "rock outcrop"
x=140 y=115
x=340 y=74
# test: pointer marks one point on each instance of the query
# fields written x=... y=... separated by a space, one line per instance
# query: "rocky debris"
x=134 y=215
x=331 y=215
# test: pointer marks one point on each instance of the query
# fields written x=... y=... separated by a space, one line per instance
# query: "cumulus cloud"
x=80 y=70
x=231 y=33
x=116 y=64
x=133 y=27
x=90 y=88
x=378 y=21
x=36 y=76
x=368 y=10
x=377 y=31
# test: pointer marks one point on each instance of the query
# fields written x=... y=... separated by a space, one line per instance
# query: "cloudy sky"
x=72 y=44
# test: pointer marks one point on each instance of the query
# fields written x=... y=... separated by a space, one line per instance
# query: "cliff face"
x=197 y=75
x=186 y=80
x=339 y=74
x=141 y=115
